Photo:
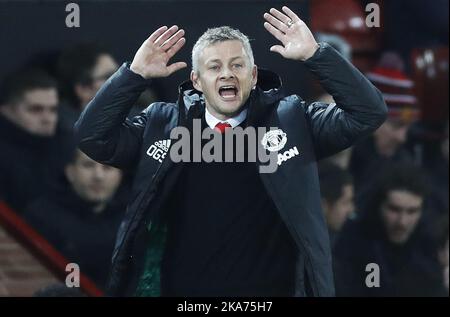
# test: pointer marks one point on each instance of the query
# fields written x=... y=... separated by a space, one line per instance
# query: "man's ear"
x=195 y=81
x=254 y=76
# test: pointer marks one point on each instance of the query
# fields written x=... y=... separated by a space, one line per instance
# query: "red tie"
x=221 y=126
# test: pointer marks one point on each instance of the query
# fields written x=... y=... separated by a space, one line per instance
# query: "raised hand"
x=152 y=58
x=298 y=41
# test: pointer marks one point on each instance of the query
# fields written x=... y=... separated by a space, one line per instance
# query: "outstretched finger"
x=291 y=14
x=166 y=35
x=176 y=47
x=276 y=23
x=176 y=67
x=174 y=39
x=157 y=34
x=280 y=16
x=274 y=31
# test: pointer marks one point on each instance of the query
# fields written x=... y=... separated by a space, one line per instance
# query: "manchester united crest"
x=274 y=140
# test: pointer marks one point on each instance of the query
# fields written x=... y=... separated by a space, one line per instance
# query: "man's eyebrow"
x=217 y=60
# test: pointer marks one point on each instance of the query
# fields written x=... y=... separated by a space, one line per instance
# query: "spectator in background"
x=31 y=151
x=81 y=218
x=336 y=189
x=387 y=145
x=388 y=233
x=83 y=70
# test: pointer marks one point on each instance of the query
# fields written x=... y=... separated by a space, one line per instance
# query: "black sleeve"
x=359 y=109
x=103 y=132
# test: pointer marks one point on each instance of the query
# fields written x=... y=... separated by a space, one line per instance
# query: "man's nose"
x=403 y=219
x=49 y=117
x=99 y=171
x=226 y=73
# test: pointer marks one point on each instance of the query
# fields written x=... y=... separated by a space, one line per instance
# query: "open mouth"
x=228 y=92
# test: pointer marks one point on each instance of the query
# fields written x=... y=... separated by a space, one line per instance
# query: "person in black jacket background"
x=83 y=69
x=81 y=216
x=388 y=143
x=389 y=232
x=181 y=239
x=33 y=151
x=336 y=187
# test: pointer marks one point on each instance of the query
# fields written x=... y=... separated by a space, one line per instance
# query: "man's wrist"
x=313 y=52
x=135 y=77
x=135 y=70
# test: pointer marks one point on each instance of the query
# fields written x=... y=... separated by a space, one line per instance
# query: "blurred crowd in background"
x=385 y=199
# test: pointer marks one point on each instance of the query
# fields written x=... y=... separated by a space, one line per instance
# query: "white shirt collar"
x=234 y=122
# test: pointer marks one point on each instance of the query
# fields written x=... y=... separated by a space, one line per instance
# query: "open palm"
x=298 y=41
x=152 y=58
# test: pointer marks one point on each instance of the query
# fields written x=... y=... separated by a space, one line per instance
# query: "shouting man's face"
x=226 y=77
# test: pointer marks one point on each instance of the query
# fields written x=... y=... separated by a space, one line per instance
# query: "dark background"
x=35 y=31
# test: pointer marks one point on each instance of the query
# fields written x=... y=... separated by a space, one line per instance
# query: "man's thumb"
x=277 y=49
x=176 y=67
